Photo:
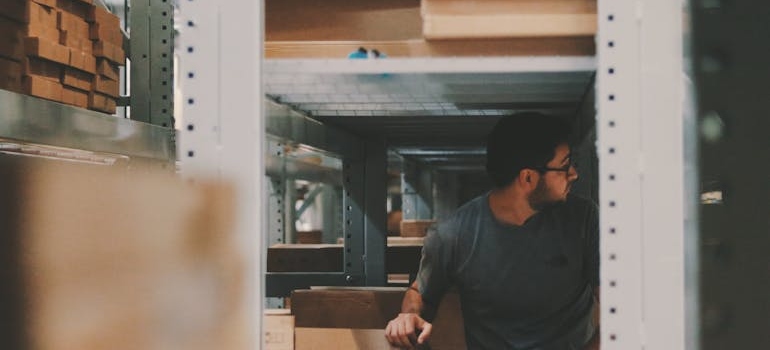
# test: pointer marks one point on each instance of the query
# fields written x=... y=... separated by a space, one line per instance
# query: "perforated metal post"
x=640 y=146
x=417 y=191
x=152 y=61
x=223 y=135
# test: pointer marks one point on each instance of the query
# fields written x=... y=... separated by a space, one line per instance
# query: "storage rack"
x=650 y=252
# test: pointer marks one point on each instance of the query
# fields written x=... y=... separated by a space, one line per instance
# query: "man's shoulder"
x=465 y=215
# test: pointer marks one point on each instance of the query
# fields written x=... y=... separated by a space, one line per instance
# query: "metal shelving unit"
x=27 y=119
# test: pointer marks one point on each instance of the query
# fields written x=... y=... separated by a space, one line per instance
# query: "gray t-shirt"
x=521 y=287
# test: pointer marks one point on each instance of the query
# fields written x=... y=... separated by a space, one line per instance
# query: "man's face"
x=555 y=179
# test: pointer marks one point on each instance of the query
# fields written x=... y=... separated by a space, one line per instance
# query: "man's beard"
x=540 y=199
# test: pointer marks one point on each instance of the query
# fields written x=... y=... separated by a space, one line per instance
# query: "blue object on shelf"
x=360 y=53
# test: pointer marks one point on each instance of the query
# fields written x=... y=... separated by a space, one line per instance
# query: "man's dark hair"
x=523 y=140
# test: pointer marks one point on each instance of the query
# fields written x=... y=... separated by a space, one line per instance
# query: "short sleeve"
x=434 y=277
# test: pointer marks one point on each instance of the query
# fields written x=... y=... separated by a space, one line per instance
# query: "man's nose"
x=572 y=175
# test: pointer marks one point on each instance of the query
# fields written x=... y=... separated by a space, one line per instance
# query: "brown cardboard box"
x=106 y=86
x=106 y=258
x=415 y=228
x=78 y=8
x=43 y=68
x=47 y=3
x=49 y=50
x=10 y=75
x=42 y=22
x=14 y=9
x=42 y=87
x=76 y=42
x=82 y=60
x=355 y=318
x=77 y=79
x=100 y=15
x=278 y=330
x=107 y=69
x=341 y=338
x=102 y=103
x=76 y=27
x=109 y=51
x=74 y=97
x=108 y=33
x=12 y=39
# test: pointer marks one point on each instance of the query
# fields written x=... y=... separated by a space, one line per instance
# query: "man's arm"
x=595 y=342
x=402 y=331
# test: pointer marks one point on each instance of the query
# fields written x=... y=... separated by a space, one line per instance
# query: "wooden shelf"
x=552 y=46
x=409 y=28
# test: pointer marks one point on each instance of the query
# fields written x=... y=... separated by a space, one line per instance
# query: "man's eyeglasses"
x=566 y=168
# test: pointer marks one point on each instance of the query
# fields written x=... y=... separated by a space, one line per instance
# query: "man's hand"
x=402 y=331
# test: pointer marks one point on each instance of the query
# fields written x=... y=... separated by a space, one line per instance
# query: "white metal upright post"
x=223 y=130
x=641 y=137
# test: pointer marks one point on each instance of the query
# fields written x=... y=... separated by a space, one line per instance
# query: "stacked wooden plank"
x=68 y=51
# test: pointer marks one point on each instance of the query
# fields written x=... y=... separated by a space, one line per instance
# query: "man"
x=523 y=257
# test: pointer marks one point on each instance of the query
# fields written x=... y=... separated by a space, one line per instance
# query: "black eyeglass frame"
x=566 y=168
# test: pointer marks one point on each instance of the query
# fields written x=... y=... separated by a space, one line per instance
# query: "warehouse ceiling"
x=436 y=111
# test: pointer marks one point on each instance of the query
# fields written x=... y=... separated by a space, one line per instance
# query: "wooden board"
x=462 y=19
x=547 y=46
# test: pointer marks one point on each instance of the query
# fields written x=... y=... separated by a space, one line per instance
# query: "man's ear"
x=527 y=178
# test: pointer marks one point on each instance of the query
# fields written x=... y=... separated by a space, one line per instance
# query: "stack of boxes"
x=67 y=51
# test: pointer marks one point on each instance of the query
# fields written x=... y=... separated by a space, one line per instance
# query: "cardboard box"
x=74 y=97
x=10 y=75
x=49 y=50
x=109 y=51
x=78 y=8
x=341 y=338
x=278 y=325
x=98 y=14
x=355 y=318
x=42 y=22
x=43 y=68
x=76 y=42
x=107 y=33
x=106 y=86
x=107 y=69
x=42 y=87
x=415 y=228
x=71 y=286
x=12 y=40
x=74 y=25
x=82 y=60
x=47 y=3
x=77 y=79
x=102 y=103
x=14 y=9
